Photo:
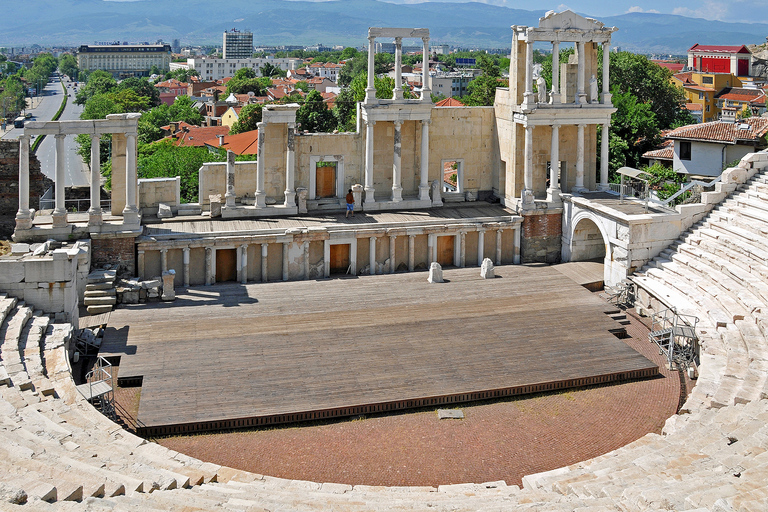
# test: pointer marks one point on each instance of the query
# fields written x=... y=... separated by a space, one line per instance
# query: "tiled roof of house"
x=685 y=77
x=245 y=143
x=663 y=152
x=167 y=84
x=695 y=87
x=694 y=107
x=190 y=135
x=449 y=102
x=752 y=96
x=719 y=49
x=674 y=67
x=747 y=130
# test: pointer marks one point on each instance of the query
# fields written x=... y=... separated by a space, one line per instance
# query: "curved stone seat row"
x=712 y=457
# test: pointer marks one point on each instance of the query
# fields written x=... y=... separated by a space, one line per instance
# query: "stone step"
x=102 y=276
x=99 y=293
x=98 y=310
x=189 y=209
x=99 y=286
x=108 y=300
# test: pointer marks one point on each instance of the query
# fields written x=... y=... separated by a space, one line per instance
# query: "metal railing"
x=74 y=205
x=675 y=335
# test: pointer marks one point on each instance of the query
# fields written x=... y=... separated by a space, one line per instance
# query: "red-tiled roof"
x=449 y=102
x=701 y=88
x=686 y=77
x=197 y=135
x=694 y=107
x=719 y=49
x=672 y=66
x=245 y=143
x=749 y=130
x=663 y=152
x=753 y=96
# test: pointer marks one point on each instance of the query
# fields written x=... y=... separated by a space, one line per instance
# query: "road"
x=44 y=108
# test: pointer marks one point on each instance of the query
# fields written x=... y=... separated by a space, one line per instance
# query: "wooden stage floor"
x=229 y=355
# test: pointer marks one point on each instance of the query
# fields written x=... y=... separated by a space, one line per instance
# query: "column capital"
x=25 y=137
x=141 y=251
x=95 y=136
x=582 y=125
x=426 y=122
x=398 y=123
x=425 y=39
x=370 y=122
x=398 y=40
x=59 y=136
x=185 y=249
x=164 y=250
x=132 y=134
x=371 y=39
x=556 y=125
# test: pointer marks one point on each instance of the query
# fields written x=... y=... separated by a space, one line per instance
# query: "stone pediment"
x=568 y=20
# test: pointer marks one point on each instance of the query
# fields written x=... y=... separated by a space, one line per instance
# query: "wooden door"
x=445 y=250
x=226 y=265
x=339 y=258
x=325 y=181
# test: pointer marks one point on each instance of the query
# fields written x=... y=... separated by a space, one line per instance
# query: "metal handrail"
x=688 y=186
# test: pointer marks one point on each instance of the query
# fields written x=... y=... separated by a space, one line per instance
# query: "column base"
x=423 y=192
x=397 y=194
x=95 y=218
x=553 y=196
x=260 y=199
x=369 y=195
x=229 y=201
x=24 y=219
x=579 y=190
x=527 y=200
x=604 y=187
x=426 y=95
x=606 y=98
x=398 y=94
x=59 y=218
x=290 y=198
x=131 y=216
x=582 y=98
x=370 y=96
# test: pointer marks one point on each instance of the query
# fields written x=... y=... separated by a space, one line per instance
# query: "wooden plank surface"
x=582 y=272
x=234 y=351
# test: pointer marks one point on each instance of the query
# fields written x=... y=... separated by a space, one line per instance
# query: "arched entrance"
x=587 y=242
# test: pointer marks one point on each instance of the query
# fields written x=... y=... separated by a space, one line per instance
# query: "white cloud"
x=708 y=10
x=636 y=8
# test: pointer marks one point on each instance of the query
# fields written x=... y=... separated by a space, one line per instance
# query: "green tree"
x=348 y=53
x=249 y=117
x=151 y=122
x=636 y=124
x=314 y=116
x=271 y=70
x=163 y=159
x=182 y=75
x=344 y=110
x=68 y=65
x=302 y=85
x=142 y=87
x=482 y=90
x=99 y=82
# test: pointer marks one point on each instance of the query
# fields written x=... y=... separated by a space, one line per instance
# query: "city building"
x=451 y=84
x=702 y=87
x=736 y=60
x=237 y=44
x=124 y=60
x=218 y=69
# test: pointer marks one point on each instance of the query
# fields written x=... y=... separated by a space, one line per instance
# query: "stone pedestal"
x=164 y=211
x=168 y=292
x=357 y=192
x=435 y=273
x=486 y=269
x=215 y=201
x=301 y=194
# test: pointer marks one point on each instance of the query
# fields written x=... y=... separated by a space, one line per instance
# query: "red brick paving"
x=502 y=440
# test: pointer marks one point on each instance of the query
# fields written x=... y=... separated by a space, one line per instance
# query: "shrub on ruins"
x=163 y=159
x=482 y=90
x=314 y=116
x=249 y=117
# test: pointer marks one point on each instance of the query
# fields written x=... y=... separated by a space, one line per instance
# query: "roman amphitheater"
x=534 y=152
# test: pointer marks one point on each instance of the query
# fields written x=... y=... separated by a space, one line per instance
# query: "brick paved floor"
x=501 y=440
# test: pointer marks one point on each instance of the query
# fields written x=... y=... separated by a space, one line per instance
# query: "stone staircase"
x=58 y=453
x=100 y=295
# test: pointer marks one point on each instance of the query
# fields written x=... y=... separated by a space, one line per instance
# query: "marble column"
x=140 y=264
x=555 y=97
x=131 y=209
x=264 y=267
x=244 y=264
x=286 y=247
x=462 y=249
x=516 y=247
x=210 y=269
x=24 y=214
x=604 y=156
x=94 y=212
x=527 y=195
x=426 y=90
x=606 y=99
x=498 y=247
x=411 y=253
x=372 y=255
x=290 y=167
x=392 y=243
x=397 y=93
x=229 y=195
x=580 y=159
x=185 y=262
x=430 y=249
x=424 y=171
x=305 y=248
x=528 y=98
x=369 y=188
x=581 y=95
x=261 y=195
x=370 y=90
x=397 y=188
x=480 y=247
x=553 y=191
x=60 y=211
x=164 y=260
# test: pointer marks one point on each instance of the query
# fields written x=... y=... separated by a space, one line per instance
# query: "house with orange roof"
x=700 y=89
x=231 y=116
x=170 y=89
x=449 y=102
x=705 y=149
x=190 y=135
x=245 y=143
x=740 y=97
x=320 y=84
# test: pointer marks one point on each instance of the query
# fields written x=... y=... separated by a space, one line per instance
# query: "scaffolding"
x=675 y=335
x=621 y=295
x=99 y=387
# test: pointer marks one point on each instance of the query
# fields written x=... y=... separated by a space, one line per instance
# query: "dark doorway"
x=445 y=250
x=339 y=258
x=226 y=265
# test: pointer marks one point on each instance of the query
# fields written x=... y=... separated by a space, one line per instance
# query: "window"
x=707 y=108
x=685 y=150
x=708 y=80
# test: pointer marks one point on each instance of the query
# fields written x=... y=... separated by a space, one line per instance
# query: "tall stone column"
x=411 y=253
x=430 y=249
x=424 y=174
x=480 y=247
x=210 y=266
x=553 y=192
x=60 y=211
x=555 y=98
x=185 y=263
x=527 y=195
x=140 y=263
x=290 y=167
x=397 y=93
x=581 y=95
x=370 y=90
x=463 y=249
x=426 y=90
x=528 y=98
x=286 y=246
x=498 y=247
x=244 y=264
x=397 y=188
x=604 y=157
x=606 y=99
x=372 y=255
x=94 y=212
x=392 y=244
x=229 y=196
x=369 y=188
x=264 y=267
x=305 y=248
x=24 y=214
x=580 y=159
x=261 y=195
x=516 y=248
x=164 y=260
x=131 y=209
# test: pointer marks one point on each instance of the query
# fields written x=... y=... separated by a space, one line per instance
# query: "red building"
x=736 y=60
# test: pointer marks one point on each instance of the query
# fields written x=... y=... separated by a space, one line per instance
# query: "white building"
x=237 y=44
x=217 y=69
x=124 y=60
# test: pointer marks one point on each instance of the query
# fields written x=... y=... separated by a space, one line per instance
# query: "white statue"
x=593 y=90
x=541 y=85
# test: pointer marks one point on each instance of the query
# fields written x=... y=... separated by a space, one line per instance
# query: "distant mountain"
x=75 y=22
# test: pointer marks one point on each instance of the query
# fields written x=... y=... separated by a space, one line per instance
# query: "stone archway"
x=587 y=241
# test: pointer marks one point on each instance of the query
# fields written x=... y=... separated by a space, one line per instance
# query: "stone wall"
x=542 y=237
x=154 y=191
x=114 y=249
x=9 y=180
